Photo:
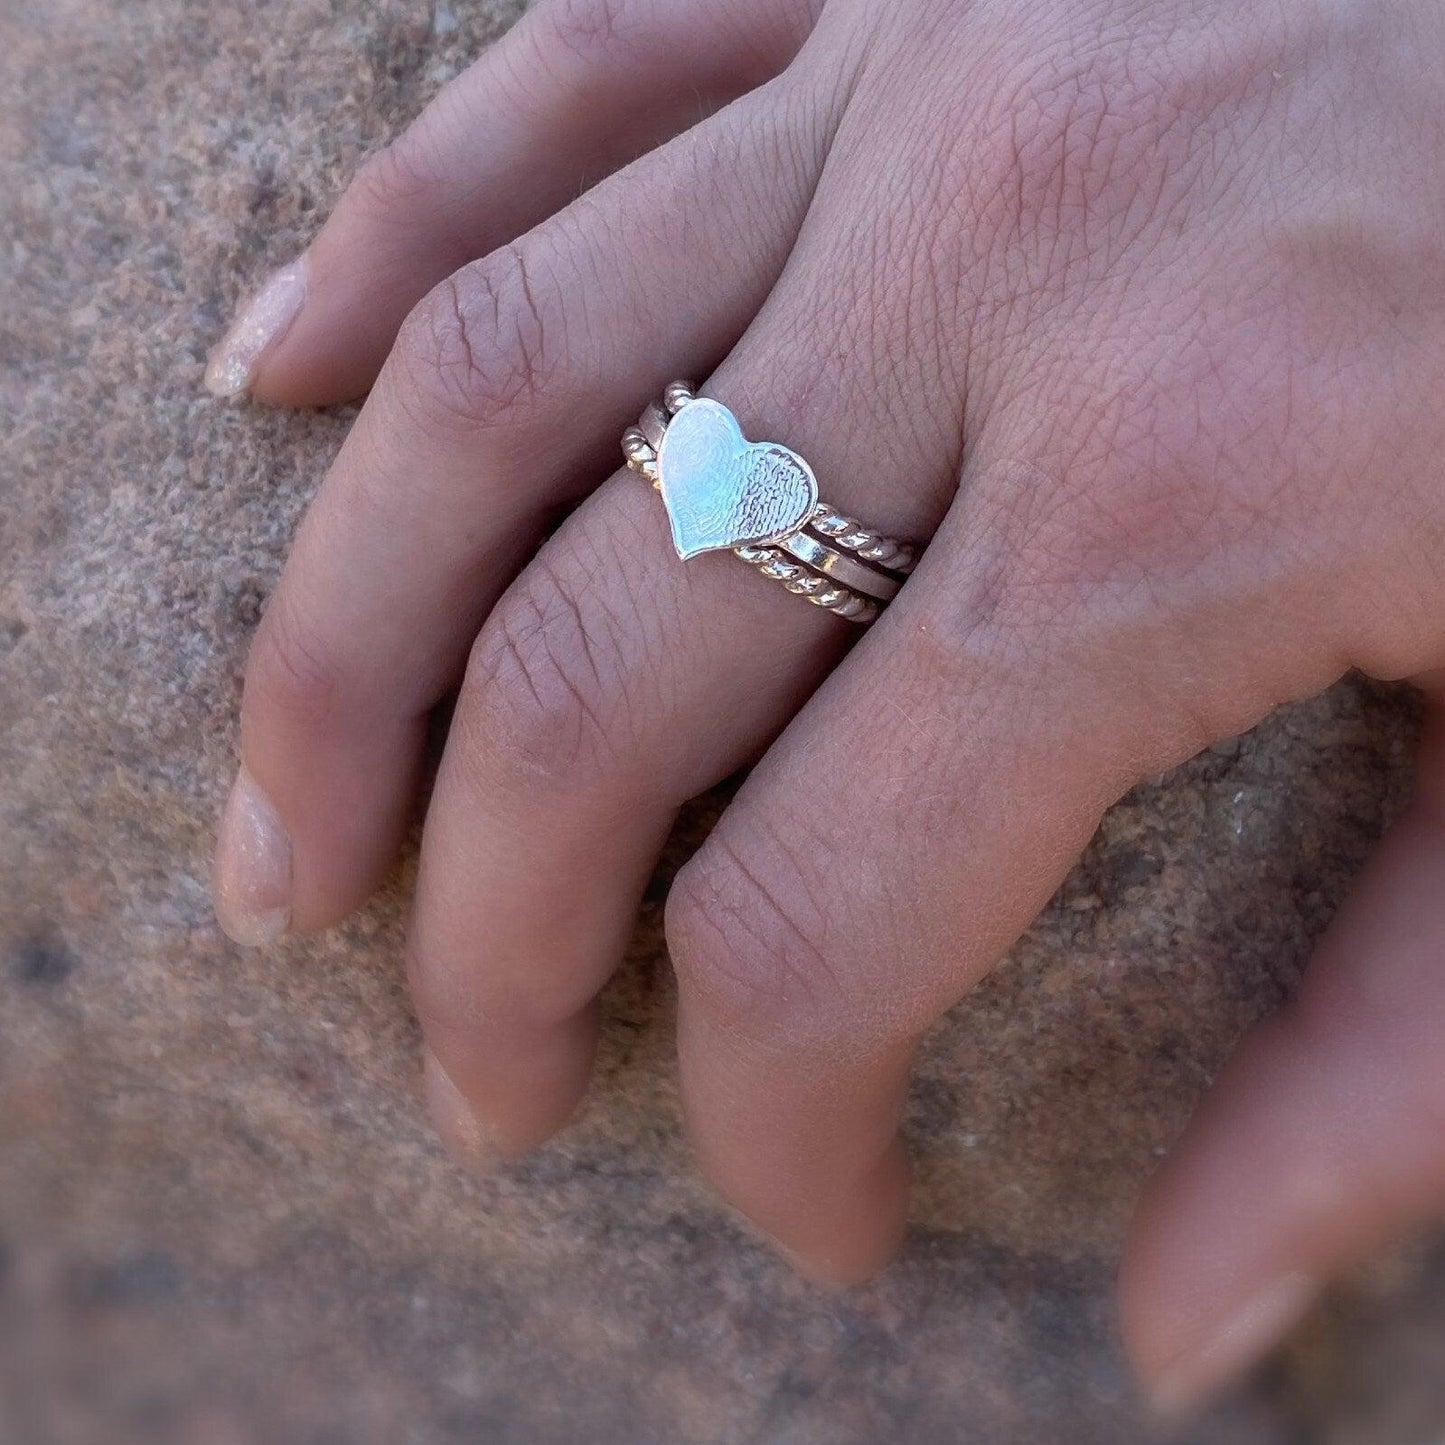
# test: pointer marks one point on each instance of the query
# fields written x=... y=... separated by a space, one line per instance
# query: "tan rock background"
x=222 y=1218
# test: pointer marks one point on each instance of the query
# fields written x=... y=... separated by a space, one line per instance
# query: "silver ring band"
x=870 y=581
x=760 y=501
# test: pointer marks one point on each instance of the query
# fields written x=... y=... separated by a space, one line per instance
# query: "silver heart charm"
x=723 y=491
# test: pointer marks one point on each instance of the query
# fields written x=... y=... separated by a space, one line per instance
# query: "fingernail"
x=261 y=322
x=457 y=1126
x=252 y=882
x=1245 y=1336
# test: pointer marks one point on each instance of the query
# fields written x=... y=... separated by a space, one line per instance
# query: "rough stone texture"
x=222 y=1218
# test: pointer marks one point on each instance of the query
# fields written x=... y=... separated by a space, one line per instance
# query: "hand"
x=1135 y=308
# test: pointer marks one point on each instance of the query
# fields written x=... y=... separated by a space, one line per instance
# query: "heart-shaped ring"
x=722 y=491
x=760 y=501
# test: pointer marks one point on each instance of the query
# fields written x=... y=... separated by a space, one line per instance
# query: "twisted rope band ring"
x=759 y=500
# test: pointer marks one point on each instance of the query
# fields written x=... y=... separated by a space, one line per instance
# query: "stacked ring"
x=760 y=501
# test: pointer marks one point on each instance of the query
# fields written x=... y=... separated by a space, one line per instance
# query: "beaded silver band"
x=814 y=551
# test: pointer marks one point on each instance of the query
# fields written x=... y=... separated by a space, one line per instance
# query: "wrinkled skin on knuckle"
x=1156 y=507
x=292 y=673
x=1007 y=170
x=748 y=925
x=1201 y=538
x=552 y=684
x=391 y=183
x=477 y=351
x=1206 y=458
x=1048 y=138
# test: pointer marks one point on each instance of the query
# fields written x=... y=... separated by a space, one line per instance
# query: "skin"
x=1134 y=307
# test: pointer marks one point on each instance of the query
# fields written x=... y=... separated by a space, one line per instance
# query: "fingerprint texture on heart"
x=722 y=491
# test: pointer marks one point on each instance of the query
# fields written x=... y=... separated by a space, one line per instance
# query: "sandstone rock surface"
x=222 y=1217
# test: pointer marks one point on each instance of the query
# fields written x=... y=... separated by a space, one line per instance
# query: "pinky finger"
x=1324 y=1138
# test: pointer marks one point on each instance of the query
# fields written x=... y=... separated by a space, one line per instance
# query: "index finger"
x=576 y=89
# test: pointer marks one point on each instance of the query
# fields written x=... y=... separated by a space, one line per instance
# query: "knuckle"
x=292 y=672
x=1197 y=448
x=747 y=935
x=393 y=182
x=592 y=29
x=544 y=700
x=1092 y=138
x=451 y=996
x=475 y=354
x=1036 y=555
x=1072 y=110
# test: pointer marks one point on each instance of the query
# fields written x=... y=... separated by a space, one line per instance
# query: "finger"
x=503 y=393
x=891 y=846
x=1322 y=1139
x=574 y=90
x=611 y=684
x=602 y=693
